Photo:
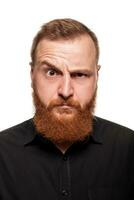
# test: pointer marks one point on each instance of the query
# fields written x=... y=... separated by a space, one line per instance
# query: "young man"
x=65 y=152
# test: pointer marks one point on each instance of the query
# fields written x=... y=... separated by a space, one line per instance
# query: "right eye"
x=51 y=72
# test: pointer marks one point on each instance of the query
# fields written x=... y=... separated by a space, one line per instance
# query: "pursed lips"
x=65 y=105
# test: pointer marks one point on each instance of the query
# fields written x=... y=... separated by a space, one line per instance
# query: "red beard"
x=63 y=125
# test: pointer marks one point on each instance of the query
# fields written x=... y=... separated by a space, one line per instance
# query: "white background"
x=111 y=20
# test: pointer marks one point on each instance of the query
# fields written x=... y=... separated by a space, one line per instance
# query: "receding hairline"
x=76 y=38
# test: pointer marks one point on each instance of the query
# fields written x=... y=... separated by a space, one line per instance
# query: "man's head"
x=64 y=74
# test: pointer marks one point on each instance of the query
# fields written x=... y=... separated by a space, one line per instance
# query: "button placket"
x=65 y=158
x=65 y=177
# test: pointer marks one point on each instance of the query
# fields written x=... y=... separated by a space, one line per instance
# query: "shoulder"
x=17 y=132
x=112 y=131
x=19 y=127
x=109 y=124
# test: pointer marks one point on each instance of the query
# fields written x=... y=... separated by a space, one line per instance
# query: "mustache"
x=61 y=102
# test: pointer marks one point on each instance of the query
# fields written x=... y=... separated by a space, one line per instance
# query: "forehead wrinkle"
x=66 y=55
x=61 y=61
x=60 y=51
x=67 y=46
x=49 y=54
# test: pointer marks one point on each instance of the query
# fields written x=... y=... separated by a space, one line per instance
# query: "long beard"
x=64 y=125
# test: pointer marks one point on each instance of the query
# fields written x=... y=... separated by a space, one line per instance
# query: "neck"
x=63 y=147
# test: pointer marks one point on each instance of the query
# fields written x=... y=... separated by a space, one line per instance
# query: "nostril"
x=64 y=97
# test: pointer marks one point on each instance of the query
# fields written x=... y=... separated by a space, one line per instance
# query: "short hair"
x=64 y=29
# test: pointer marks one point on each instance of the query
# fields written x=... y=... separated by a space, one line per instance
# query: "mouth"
x=65 y=106
x=64 y=109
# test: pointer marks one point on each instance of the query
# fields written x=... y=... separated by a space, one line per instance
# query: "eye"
x=51 y=72
x=79 y=75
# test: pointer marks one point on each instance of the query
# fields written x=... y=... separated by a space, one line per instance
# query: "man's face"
x=64 y=81
x=65 y=68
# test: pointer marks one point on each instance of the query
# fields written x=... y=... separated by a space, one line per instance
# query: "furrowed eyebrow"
x=72 y=72
x=87 y=72
x=52 y=66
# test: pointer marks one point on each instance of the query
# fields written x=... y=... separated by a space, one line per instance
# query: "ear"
x=31 y=73
x=98 y=68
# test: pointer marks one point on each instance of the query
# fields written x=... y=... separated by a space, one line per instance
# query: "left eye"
x=79 y=75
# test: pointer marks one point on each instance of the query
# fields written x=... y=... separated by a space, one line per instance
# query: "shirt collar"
x=97 y=134
x=31 y=133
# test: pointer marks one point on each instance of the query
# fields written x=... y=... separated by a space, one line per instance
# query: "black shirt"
x=99 y=168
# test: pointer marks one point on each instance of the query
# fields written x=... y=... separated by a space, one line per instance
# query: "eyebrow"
x=84 y=71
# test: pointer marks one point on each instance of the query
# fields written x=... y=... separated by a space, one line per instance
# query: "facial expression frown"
x=65 y=69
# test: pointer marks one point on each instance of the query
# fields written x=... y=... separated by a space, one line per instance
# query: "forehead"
x=72 y=53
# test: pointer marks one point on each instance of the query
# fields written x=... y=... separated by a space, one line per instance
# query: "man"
x=65 y=152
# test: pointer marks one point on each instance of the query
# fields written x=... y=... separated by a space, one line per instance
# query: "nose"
x=65 y=90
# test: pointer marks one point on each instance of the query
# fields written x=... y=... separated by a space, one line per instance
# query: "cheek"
x=85 y=92
x=45 y=90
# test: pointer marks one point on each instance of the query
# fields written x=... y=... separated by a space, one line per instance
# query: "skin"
x=65 y=69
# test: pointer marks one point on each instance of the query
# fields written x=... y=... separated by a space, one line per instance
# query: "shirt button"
x=64 y=192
